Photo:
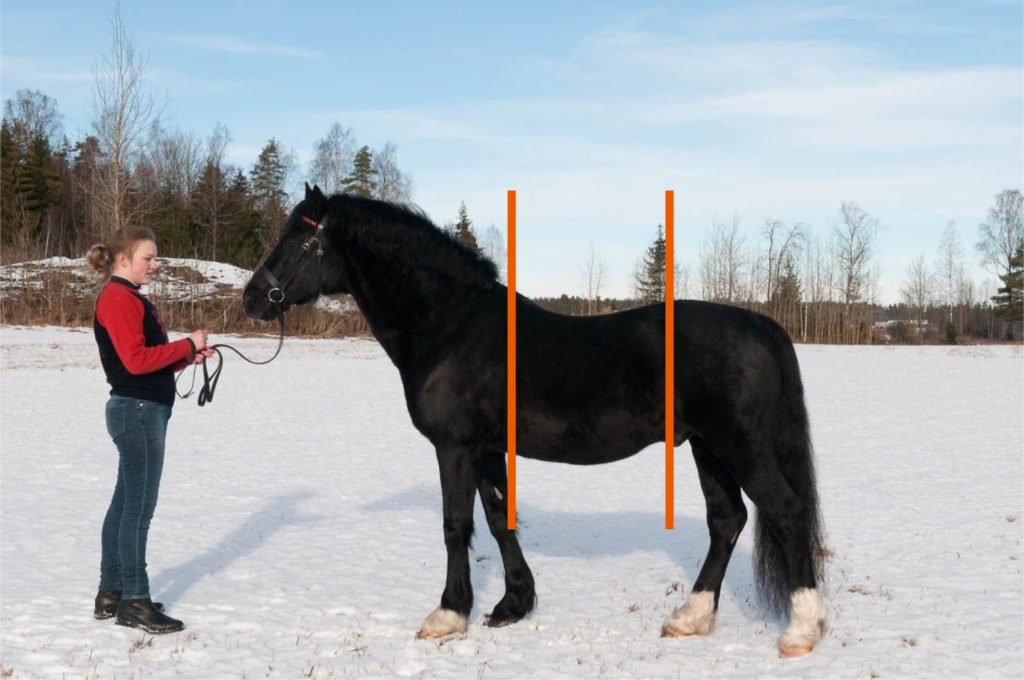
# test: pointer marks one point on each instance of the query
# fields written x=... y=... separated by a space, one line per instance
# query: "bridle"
x=276 y=294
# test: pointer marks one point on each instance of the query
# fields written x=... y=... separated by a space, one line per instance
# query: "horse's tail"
x=794 y=455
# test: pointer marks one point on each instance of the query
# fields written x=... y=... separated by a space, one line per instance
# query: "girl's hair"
x=126 y=240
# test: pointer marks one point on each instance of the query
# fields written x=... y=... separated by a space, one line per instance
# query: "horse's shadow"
x=277 y=513
x=557 y=533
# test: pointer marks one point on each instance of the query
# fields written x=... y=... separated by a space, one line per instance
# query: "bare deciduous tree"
x=123 y=111
x=1002 y=233
x=177 y=159
x=853 y=245
x=782 y=244
x=31 y=113
x=492 y=243
x=917 y=290
x=593 y=274
x=392 y=184
x=949 y=268
x=332 y=159
x=721 y=261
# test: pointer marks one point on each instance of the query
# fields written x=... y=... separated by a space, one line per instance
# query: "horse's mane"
x=404 y=234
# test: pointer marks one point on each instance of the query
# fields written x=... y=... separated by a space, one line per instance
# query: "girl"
x=139 y=363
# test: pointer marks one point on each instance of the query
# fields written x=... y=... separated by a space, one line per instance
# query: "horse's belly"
x=580 y=441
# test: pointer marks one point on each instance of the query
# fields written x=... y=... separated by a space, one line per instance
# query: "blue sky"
x=590 y=110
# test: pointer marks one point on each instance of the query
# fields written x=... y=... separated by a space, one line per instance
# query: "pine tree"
x=242 y=244
x=268 y=194
x=360 y=181
x=787 y=291
x=462 y=230
x=40 y=176
x=1009 y=302
x=650 y=272
x=170 y=219
x=787 y=296
x=88 y=214
x=209 y=208
x=10 y=178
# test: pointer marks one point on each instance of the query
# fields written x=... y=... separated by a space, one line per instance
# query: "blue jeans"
x=138 y=428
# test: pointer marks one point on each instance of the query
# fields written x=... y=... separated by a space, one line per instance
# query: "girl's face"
x=140 y=267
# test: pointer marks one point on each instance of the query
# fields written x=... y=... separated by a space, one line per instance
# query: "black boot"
x=106 y=604
x=142 y=614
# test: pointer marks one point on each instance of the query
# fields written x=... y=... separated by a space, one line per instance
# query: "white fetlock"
x=808 y=623
x=441 y=623
x=696 y=617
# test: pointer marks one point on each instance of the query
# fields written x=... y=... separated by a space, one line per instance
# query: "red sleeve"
x=121 y=313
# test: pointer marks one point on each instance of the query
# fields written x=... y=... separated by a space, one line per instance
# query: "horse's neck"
x=405 y=311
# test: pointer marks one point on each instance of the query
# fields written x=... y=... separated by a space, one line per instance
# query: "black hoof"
x=510 y=610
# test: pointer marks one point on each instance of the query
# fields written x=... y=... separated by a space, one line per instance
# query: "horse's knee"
x=458 y=532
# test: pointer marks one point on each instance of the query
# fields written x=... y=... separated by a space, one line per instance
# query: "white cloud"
x=229 y=43
x=45 y=71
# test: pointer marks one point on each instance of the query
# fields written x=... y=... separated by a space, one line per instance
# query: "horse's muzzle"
x=257 y=305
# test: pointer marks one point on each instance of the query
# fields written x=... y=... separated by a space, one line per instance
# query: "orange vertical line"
x=670 y=360
x=511 y=360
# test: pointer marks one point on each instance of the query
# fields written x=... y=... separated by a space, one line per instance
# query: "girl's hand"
x=202 y=355
x=199 y=340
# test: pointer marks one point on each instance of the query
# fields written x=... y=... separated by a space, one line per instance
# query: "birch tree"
x=123 y=110
x=593 y=274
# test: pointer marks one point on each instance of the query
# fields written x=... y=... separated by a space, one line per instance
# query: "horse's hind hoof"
x=442 y=623
x=808 y=623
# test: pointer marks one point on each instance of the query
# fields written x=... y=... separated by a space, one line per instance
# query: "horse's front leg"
x=520 y=596
x=459 y=474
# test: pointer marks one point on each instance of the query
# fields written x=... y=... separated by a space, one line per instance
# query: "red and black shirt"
x=136 y=356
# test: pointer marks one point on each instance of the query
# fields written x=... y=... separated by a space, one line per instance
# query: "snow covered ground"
x=177 y=279
x=299 y=530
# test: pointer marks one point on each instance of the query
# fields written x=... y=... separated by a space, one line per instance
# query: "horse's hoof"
x=507 y=612
x=794 y=650
x=696 y=617
x=498 y=622
x=442 y=623
x=808 y=623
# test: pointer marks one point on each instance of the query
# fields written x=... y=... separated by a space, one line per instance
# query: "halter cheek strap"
x=276 y=293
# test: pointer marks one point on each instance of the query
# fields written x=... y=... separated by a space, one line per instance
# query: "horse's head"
x=293 y=273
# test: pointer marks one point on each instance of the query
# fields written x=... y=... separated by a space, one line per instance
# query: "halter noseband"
x=277 y=289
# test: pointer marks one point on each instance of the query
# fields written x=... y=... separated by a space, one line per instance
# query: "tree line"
x=58 y=196
x=826 y=289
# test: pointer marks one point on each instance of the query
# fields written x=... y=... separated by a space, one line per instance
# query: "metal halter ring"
x=270 y=295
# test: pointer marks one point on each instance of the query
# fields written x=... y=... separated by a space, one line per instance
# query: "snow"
x=298 y=531
x=177 y=279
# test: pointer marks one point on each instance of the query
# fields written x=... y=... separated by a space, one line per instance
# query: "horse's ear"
x=308 y=190
x=317 y=194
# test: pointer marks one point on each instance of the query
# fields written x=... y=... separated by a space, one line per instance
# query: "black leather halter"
x=276 y=294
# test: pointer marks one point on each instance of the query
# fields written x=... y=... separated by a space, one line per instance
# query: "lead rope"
x=210 y=379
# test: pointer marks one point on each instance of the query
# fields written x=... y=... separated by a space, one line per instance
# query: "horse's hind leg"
x=791 y=564
x=519 y=596
x=726 y=516
x=459 y=475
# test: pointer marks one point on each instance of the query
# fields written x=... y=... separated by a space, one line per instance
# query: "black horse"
x=589 y=390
